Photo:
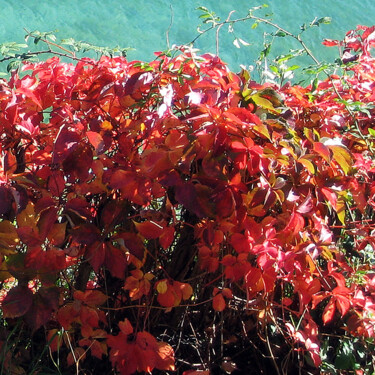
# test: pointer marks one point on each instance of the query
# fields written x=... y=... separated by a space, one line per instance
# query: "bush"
x=174 y=215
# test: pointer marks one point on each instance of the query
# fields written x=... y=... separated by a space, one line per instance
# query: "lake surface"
x=143 y=24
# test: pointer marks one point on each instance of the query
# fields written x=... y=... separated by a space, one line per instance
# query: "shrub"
x=176 y=215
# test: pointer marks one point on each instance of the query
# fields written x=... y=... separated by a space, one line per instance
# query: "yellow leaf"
x=263 y=130
x=106 y=125
x=342 y=157
x=162 y=286
x=340 y=209
x=264 y=103
x=8 y=237
x=307 y=164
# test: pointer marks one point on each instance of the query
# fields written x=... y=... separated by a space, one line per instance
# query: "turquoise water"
x=142 y=24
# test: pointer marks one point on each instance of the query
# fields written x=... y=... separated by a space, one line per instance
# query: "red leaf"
x=343 y=304
x=225 y=203
x=306 y=206
x=167 y=237
x=5 y=200
x=17 y=302
x=254 y=281
x=167 y=299
x=78 y=162
x=97 y=141
x=112 y=214
x=330 y=195
x=65 y=143
x=95 y=254
x=115 y=261
x=196 y=198
x=295 y=225
x=9 y=162
x=56 y=235
x=32 y=94
x=322 y=150
x=132 y=186
x=132 y=243
x=56 y=183
x=240 y=243
x=150 y=229
x=331 y=43
x=89 y=315
x=126 y=327
x=45 y=302
x=86 y=234
x=47 y=219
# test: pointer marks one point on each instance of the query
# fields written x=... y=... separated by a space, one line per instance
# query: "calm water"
x=142 y=24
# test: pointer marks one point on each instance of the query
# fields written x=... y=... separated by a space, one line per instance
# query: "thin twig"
x=170 y=26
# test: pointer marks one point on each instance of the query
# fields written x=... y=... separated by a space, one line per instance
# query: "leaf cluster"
x=143 y=205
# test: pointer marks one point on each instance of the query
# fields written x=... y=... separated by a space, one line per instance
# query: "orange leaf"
x=329 y=311
x=218 y=302
x=186 y=290
x=227 y=293
x=167 y=299
x=323 y=151
x=165 y=357
x=91 y=297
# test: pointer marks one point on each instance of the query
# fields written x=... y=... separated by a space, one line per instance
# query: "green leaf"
x=280 y=33
x=203 y=9
x=69 y=41
x=371 y=131
x=266 y=51
x=325 y=20
x=320 y=21
x=274 y=69
x=254 y=25
x=314 y=84
x=293 y=67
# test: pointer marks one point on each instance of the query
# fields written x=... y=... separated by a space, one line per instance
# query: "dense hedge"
x=176 y=215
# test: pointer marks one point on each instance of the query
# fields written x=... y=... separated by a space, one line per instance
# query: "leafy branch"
x=15 y=53
x=279 y=69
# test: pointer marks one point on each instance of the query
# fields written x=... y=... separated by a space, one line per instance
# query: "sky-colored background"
x=142 y=24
